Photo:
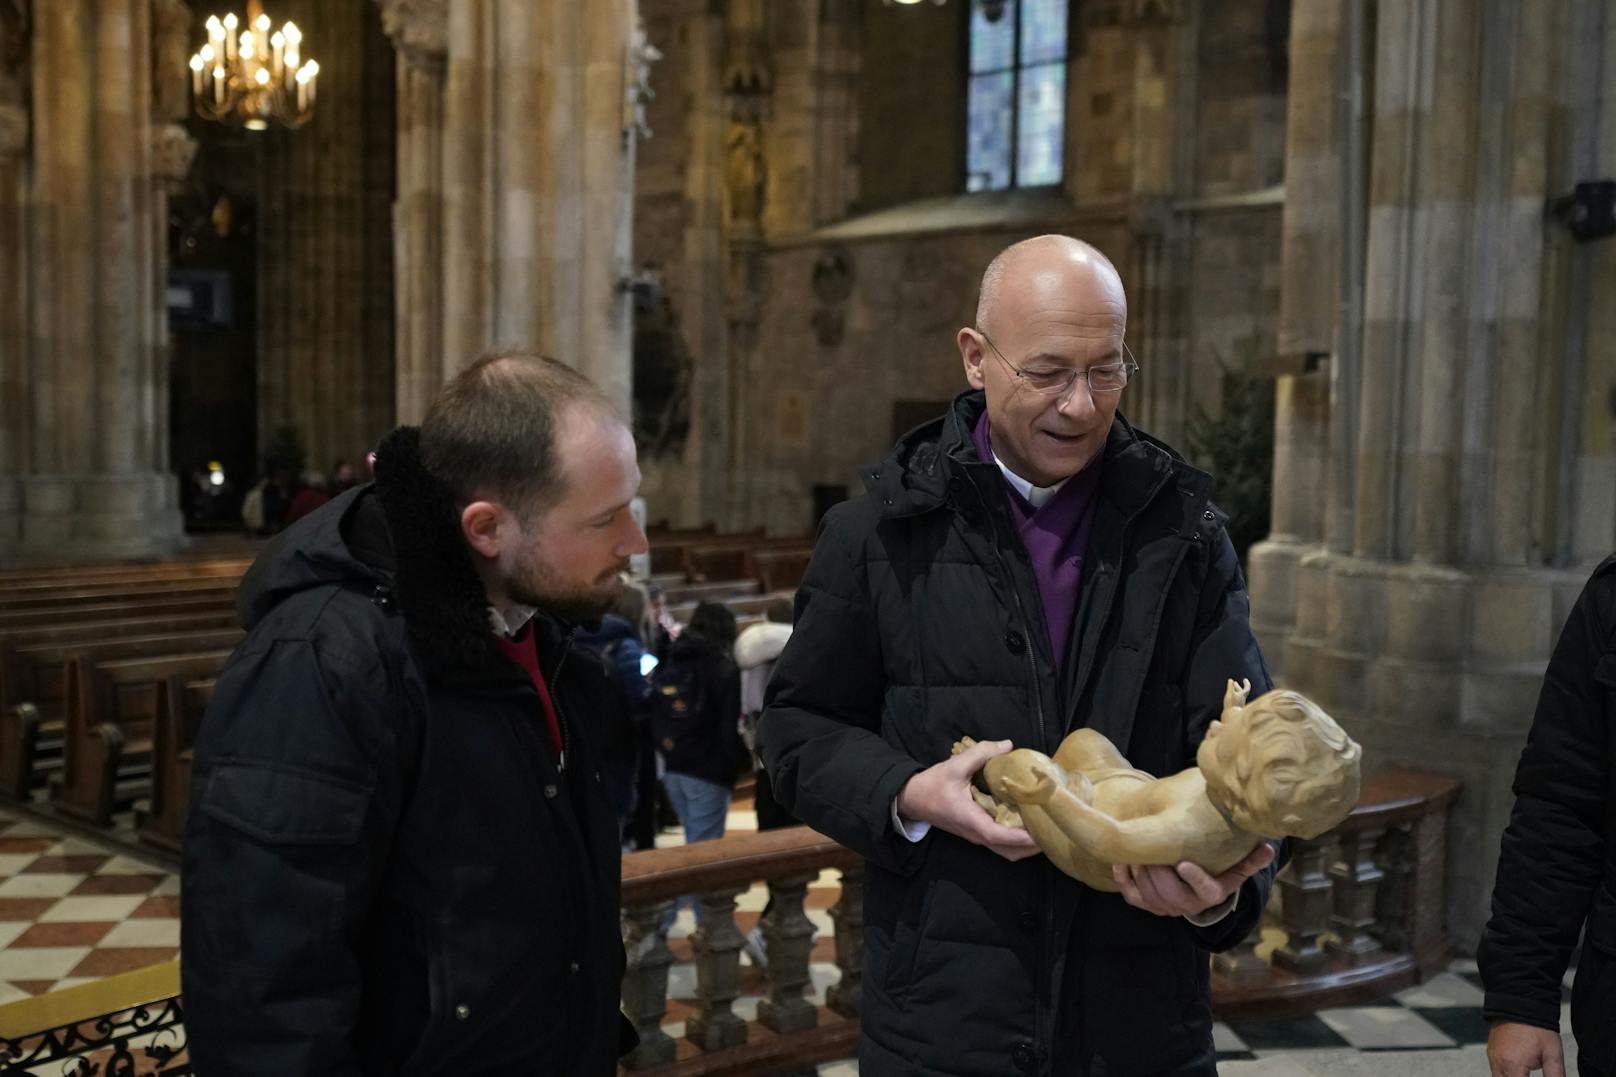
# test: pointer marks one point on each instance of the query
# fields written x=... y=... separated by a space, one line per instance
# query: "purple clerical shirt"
x=1056 y=535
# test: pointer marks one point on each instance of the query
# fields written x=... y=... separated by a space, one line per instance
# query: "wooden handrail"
x=86 y=1002
x=739 y=859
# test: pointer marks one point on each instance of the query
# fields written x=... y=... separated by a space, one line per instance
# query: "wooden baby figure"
x=1278 y=766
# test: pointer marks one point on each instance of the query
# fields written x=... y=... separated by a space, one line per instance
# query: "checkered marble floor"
x=72 y=910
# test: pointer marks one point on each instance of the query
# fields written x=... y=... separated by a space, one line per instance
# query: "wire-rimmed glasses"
x=1107 y=378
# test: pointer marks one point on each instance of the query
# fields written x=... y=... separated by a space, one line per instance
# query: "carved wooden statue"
x=1278 y=766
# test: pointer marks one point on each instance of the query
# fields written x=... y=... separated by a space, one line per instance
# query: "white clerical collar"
x=509 y=621
x=1035 y=495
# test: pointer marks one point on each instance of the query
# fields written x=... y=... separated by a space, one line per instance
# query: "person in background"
x=695 y=709
x=343 y=478
x=618 y=644
x=312 y=495
x=756 y=651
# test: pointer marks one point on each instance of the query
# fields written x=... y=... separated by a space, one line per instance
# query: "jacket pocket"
x=281 y=805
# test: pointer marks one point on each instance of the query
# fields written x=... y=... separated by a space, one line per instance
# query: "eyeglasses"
x=1110 y=378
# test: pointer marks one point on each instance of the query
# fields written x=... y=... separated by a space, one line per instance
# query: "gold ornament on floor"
x=253 y=75
x=1275 y=767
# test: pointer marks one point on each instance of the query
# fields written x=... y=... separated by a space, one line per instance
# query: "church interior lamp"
x=251 y=74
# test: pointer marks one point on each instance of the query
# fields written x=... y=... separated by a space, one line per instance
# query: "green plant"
x=1237 y=447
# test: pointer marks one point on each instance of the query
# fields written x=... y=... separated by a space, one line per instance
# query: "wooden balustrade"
x=1355 y=915
x=791 y=1034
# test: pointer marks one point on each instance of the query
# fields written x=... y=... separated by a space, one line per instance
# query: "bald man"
x=1024 y=565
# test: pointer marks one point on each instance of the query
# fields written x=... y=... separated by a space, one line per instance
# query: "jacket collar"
x=915 y=477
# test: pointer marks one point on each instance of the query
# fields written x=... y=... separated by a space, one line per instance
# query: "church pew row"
x=70 y=599
x=34 y=685
x=110 y=714
x=19 y=580
x=124 y=610
x=180 y=703
x=676 y=555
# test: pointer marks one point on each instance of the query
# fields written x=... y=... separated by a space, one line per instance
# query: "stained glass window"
x=1016 y=102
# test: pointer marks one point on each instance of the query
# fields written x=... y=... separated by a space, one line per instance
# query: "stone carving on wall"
x=832 y=285
x=173 y=150
x=744 y=171
x=637 y=92
x=13 y=50
x=419 y=29
x=1275 y=767
x=171 y=48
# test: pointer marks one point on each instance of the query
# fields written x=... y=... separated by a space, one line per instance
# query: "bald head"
x=1036 y=270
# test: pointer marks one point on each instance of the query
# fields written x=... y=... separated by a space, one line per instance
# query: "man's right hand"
x=1515 y=1050
x=941 y=796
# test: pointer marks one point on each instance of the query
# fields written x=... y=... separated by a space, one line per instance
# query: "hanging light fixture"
x=249 y=75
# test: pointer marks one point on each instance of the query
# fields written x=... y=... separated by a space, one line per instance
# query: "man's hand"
x=941 y=796
x=1515 y=1050
x=1185 y=889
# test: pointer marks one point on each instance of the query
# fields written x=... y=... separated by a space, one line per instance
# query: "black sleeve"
x=1551 y=858
x=1223 y=649
x=297 y=789
x=735 y=750
x=821 y=727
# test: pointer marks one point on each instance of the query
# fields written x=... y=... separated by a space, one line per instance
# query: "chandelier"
x=245 y=74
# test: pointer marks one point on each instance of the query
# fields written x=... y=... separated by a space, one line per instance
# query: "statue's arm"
x=1149 y=839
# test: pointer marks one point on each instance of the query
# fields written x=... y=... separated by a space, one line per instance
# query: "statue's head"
x=1279 y=765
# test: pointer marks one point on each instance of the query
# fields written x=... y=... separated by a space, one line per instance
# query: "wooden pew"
x=16 y=581
x=180 y=703
x=111 y=712
x=69 y=598
x=125 y=610
x=715 y=590
x=33 y=724
x=781 y=570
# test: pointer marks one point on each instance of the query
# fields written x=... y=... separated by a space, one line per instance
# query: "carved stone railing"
x=791 y=1034
x=130 y=1025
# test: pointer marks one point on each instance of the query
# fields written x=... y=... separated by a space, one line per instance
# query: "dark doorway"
x=908 y=414
x=212 y=291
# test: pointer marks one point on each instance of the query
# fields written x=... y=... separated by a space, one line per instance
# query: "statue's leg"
x=1088 y=750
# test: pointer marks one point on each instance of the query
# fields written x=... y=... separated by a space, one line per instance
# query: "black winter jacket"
x=918 y=622
x=1557 y=867
x=712 y=749
x=385 y=872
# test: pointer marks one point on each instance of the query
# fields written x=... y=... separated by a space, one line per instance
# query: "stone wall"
x=1174 y=152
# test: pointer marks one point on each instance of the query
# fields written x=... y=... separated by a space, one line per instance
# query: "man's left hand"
x=1185 y=889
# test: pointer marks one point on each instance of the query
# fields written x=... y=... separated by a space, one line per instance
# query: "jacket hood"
x=311 y=553
x=919 y=472
x=761 y=643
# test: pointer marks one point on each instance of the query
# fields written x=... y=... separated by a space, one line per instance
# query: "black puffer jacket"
x=1557 y=867
x=710 y=747
x=385 y=872
x=919 y=622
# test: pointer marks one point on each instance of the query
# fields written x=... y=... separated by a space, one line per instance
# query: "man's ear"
x=970 y=349
x=480 y=524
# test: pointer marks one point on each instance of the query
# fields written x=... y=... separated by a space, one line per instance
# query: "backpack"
x=676 y=704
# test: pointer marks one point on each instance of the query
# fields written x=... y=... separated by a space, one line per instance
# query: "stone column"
x=95 y=483
x=538 y=183
x=1165 y=40
x=1425 y=624
x=419 y=29
x=1311 y=250
x=13 y=319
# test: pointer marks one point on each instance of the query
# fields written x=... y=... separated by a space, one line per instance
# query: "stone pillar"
x=538 y=183
x=95 y=483
x=14 y=412
x=1311 y=250
x=419 y=29
x=1161 y=138
x=1425 y=623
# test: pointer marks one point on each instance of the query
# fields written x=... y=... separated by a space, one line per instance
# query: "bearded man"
x=401 y=858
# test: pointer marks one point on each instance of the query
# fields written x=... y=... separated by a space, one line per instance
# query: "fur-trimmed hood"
x=396 y=538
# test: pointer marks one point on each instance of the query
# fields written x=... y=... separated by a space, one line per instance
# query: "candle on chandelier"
x=218 y=86
x=277 y=46
x=230 y=36
x=196 y=75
